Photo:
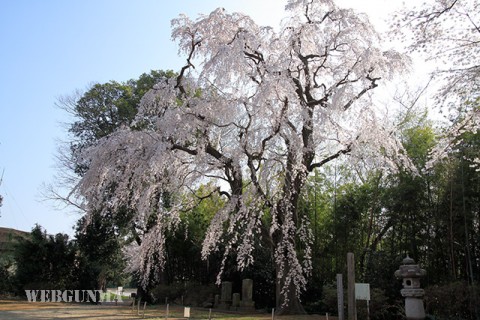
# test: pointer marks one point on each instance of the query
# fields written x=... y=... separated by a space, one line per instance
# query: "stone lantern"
x=411 y=274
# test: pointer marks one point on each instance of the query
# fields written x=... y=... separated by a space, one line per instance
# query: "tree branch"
x=189 y=64
x=330 y=158
x=372 y=85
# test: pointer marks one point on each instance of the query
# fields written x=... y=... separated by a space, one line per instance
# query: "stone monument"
x=247 y=303
x=411 y=274
x=226 y=295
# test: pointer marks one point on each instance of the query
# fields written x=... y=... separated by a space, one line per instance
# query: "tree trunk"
x=293 y=305
x=289 y=302
x=102 y=281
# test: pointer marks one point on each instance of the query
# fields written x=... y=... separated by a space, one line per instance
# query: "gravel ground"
x=18 y=309
x=13 y=310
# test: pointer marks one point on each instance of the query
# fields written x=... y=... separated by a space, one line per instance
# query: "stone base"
x=225 y=305
x=414 y=309
x=246 y=309
x=247 y=306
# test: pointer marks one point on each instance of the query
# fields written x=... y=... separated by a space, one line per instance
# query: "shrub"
x=456 y=300
x=381 y=307
x=192 y=293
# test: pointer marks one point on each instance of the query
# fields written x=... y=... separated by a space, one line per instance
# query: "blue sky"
x=50 y=48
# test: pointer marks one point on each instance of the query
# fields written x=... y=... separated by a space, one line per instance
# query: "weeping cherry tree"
x=253 y=112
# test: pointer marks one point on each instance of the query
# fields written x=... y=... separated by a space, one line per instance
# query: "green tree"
x=378 y=216
x=45 y=261
x=102 y=109
x=100 y=259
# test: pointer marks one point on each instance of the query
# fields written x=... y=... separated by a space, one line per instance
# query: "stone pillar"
x=413 y=294
x=216 y=302
x=247 y=289
x=352 y=302
x=226 y=296
x=247 y=303
x=341 y=308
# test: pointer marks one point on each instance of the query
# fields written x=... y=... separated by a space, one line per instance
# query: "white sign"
x=362 y=291
x=186 y=312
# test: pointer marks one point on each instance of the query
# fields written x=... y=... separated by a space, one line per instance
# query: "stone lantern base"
x=414 y=308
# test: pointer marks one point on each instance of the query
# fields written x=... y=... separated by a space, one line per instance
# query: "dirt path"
x=19 y=310
x=14 y=310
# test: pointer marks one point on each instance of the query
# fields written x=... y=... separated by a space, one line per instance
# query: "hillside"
x=8 y=237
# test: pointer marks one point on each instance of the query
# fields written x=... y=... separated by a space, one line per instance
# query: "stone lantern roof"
x=409 y=269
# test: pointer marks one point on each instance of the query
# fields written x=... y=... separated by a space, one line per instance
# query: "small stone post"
x=235 y=301
x=411 y=274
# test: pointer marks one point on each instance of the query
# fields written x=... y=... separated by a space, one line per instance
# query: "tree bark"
x=289 y=303
x=294 y=306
